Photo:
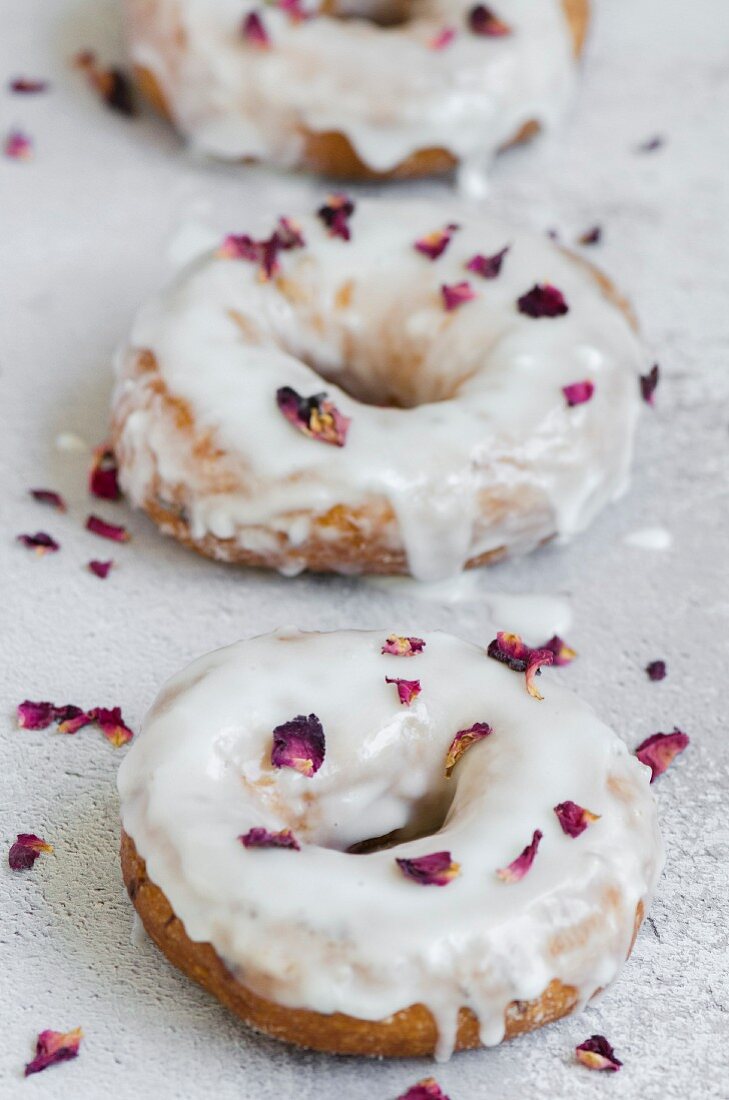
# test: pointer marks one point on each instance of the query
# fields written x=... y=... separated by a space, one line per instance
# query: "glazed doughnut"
x=359 y=88
x=324 y=830
x=449 y=358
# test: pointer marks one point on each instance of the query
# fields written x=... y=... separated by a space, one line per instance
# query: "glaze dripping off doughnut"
x=358 y=875
x=380 y=387
x=357 y=88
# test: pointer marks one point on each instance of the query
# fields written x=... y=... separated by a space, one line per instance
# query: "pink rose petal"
x=18 y=146
x=561 y=652
x=315 y=416
x=299 y=744
x=254 y=31
x=437 y=869
x=107 y=530
x=457 y=295
x=463 y=741
x=103 y=475
x=407 y=690
x=427 y=1089
x=574 y=819
x=442 y=39
x=577 y=393
x=517 y=655
x=434 y=244
x=660 y=750
x=519 y=867
x=488 y=267
x=101 y=569
x=25 y=851
x=50 y=497
x=53 y=1047
x=261 y=838
x=110 y=722
x=399 y=646
x=239 y=246
x=596 y=1053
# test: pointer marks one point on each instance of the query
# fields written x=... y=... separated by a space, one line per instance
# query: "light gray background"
x=84 y=235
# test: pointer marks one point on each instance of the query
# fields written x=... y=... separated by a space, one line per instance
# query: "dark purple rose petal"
x=25 y=851
x=651 y=144
x=52 y=1047
x=649 y=384
x=289 y=234
x=427 y=1089
x=107 y=530
x=562 y=653
x=71 y=719
x=399 y=646
x=463 y=741
x=481 y=20
x=314 y=416
x=18 y=146
x=50 y=497
x=590 y=236
x=519 y=867
x=660 y=750
x=41 y=542
x=239 y=246
x=437 y=869
x=254 y=31
x=261 y=838
x=434 y=244
x=299 y=744
x=103 y=475
x=23 y=85
x=457 y=295
x=543 y=300
x=407 y=690
x=574 y=819
x=488 y=267
x=335 y=213
x=596 y=1053
x=518 y=656
x=656 y=670
x=578 y=393
x=101 y=569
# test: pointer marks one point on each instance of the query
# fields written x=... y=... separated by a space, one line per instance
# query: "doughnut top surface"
x=327 y=929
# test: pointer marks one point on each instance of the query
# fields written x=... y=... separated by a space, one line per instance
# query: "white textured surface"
x=83 y=231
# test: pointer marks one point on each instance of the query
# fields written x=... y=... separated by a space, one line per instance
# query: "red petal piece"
x=261 y=838
x=103 y=475
x=101 y=569
x=651 y=144
x=400 y=646
x=35 y=716
x=18 y=146
x=590 y=236
x=457 y=295
x=299 y=744
x=296 y=12
x=71 y=719
x=335 y=213
x=649 y=384
x=574 y=819
x=488 y=267
x=517 y=655
x=443 y=38
x=434 y=244
x=107 y=530
x=519 y=867
x=41 y=542
x=239 y=246
x=407 y=690
x=561 y=652
x=482 y=20
x=289 y=233
x=660 y=750
x=427 y=1089
x=111 y=84
x=23 y=85
x=111 y=724
x=463 y=741
x=314 y=416
x=656 y=670
x=596 y=1053
x=437 y=869
x=49 y=496
x=25 y=851
x=254 y=31
x=52 y=1047
x=577 y=393
x=543 y=300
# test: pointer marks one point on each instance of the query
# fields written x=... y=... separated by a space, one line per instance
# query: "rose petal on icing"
x=112 y=725
x=111 y=84
x=561 y=652
x=649 y=384
x=519 y=867
x=488 y=267
x=457 y=294
x=407 y=690
x=427 y=1089
x=269 y=250
x=596 y=1053
x=434 y=244
x=463 y=741
x=437 y=869
x=443 y=38
x=591 y=236
x=107 y=530
x=52 y=1047
x=481 y=20
x=41 y=542
x=400 y=646
x=295 y=10
x=517 y=655
x=261 y=838
x=239 y=246
x=35 y=716
x=335 y=213
x=660 y=750
x=18 y=146
x=574 y=819
x=315 y=416
x=101 y=569
x=254 y=31
x=656 y=670
x=103 y=475
x=299 y=744
x=289 y=233
x=577 y=393
x=25 y=851
x=651 y=144
x=24 y=85
x=50 y=497
x=543 y=300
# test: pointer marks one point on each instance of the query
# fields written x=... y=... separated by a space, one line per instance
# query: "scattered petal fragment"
x=71 y=719
x=427 y=1089
x=561 y=652
x=519 y=867
x=52 y=1047
x=407 y=690
x=107 y=530
x=112 y=725
x=596 y=1053
x=315 y=416
x=261 y=838
x=482 y=20
x=18 y=146
x=517 y=655
x=41 y=542
x=660 y=750
x=543 y=300
x=463 y=741
x=651 y=144
x=488 y=267
x=50 y=497
x=443 y=38
x=574 y=819
x=254 y=31
x=25 y=851
x=649 y=384
x=335 y=213
x=591 y=236
x=299 y=744
x=437 y=869
x=111 y=84
x=656 y=670
x=578 y=393
x=434 y=244
x=103 y=475
x=101 y=569
x=295 y=10
x=24 y=85
x=238 y=246
x=457 y=294
x=35 y=716
x=400 y=646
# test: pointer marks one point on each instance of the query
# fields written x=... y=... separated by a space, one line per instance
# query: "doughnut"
x=357 y=88
x=378 y=388
x=366 y=843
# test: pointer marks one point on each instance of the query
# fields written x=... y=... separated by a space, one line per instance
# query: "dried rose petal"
x=562 y=653
x=488 y=267
x=400 y=646
x=261 y=838
x=254 y=31
x=577 y=393
x=107 y=530
x=103 y=475
x=110 y=722
x=434 y=244
x=52 y=1047
x=314 y=416
x=437 y=869
x=481 y=20
x=335 y=213
x=299 y=744
x=407 y=690
x=651 y=144
x=457 y=294
x=596 y=1053
x=656 y=670
x=25 y=851
x=519 y=867
x=543 y=300
x=35 y=716
x=591 y=236
x=18 y=146
x=649 y=384
x=23 y=85
x=512 y=651
x=101 y=569
x=427 y=1089
x=71 y=719
x=660 y=750
x=269 y=250
x=41 y=542
x=113 y=85
x=295 y=10
x=238 y=246
x=48 y=496
x=574 y=819
x=289 y=233
x=463 y=740
x=443 y=38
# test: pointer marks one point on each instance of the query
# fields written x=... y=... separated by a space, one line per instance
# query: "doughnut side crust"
x=409 y=1033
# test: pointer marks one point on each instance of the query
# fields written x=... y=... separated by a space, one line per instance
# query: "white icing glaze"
x=650 y=538
x=501 y=463
x=333 y=931
x=383 y=87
